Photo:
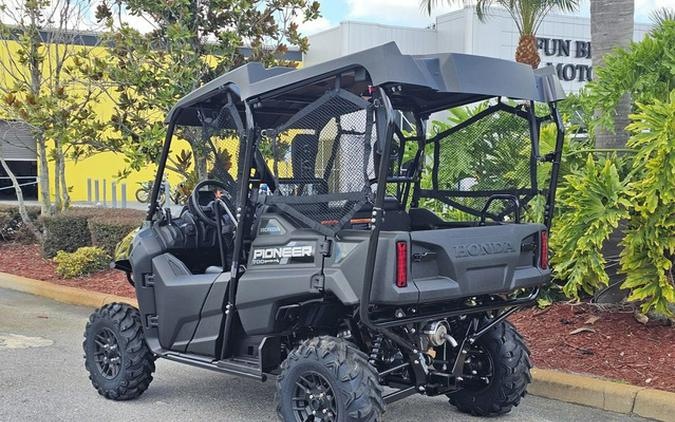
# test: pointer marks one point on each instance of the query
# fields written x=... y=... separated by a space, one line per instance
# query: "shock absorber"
x=375 y=349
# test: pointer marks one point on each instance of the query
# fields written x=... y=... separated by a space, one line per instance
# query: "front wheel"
x=142 y=195
x=496 y=373
x=328 y=379
x=119 y=362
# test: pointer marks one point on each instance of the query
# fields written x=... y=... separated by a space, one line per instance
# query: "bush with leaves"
x=592 y=203
x=645 y=70
x=649 y=243
x=65 y=232
x=83 y=261
x=107 y=233
x=594 y=200
x=71 y=230
x=12 y=227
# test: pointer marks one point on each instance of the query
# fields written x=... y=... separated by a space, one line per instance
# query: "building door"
x=17 y=147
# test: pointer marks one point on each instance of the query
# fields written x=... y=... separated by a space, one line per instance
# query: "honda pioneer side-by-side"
x=344 y=243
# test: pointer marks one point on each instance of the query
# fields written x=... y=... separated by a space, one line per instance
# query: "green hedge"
x=65 y=232
x=79 y=227
x=107 y=232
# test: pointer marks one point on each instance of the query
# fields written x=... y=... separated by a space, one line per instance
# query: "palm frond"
x=660 y=16
x=527 y=14
x=429 y=5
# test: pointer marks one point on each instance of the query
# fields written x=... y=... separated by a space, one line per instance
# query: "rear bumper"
x=436 y=289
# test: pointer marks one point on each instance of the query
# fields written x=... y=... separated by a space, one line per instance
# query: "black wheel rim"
x=107 y=353
x=478 y=368
x=314 y=399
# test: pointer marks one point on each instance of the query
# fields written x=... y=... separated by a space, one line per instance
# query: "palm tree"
x=612 y=27
x=527 y=14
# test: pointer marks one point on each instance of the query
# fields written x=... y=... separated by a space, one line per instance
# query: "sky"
x=390 y=12
x=409 y=13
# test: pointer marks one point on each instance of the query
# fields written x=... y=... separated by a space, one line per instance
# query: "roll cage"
x=357 y=100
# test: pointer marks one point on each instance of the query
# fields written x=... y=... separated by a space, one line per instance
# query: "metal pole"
x=89 y=190
x=235 y=271
x=162 y=164
x=123 y=194
x=167 y=193
x=96 y=192
x=105 y=193
x=114 y=194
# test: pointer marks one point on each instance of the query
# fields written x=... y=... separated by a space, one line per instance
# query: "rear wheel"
x=119 y=362
x=496 y=373
x=328 y=379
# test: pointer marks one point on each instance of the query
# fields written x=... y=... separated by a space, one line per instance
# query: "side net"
x=322 y=160
x=485 y=155
x=226 y=140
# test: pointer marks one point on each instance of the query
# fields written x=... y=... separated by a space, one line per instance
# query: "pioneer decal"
x=290 y=254
x=479 y=249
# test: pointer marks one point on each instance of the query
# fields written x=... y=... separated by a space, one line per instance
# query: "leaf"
x=641 y=318
x=592 y=320
x=582 y=330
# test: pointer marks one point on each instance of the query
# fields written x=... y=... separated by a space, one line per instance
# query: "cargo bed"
x=443 y=264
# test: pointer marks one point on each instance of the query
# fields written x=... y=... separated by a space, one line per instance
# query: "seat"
x=395 y=217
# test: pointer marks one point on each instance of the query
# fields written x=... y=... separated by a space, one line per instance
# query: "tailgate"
x=463 y=262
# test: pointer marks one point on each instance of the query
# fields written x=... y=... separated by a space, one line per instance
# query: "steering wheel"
x=222 y=198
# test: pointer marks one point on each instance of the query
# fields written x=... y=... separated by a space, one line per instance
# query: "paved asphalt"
x=48 y=382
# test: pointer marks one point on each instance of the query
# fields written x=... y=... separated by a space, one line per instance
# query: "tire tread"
x=139 y=362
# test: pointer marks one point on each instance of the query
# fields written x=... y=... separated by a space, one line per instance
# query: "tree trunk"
x=200 y=151
x=64 y=186
x=58 y=205
x=612 y=26
x=19 y=198
x=43 y=178
x=527 y=51
x=62 y=198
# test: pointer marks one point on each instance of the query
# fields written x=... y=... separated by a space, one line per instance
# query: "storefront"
x=18 y=150
x=563 y=40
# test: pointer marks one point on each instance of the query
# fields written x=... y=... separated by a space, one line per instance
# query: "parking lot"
x=42 y=378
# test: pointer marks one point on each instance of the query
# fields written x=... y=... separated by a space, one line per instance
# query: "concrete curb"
x=571 y=388
x=603 y=394
x=65 y=294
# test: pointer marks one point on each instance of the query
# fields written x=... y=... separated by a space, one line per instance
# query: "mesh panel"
x=225 y=145
x=487 y=156
x=323 y=161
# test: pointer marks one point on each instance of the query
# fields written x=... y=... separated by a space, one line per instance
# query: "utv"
x=343 y=246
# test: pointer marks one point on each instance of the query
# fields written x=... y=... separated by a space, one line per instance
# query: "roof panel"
x=447 y=79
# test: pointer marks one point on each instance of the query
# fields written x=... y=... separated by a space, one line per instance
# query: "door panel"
x=179 y=297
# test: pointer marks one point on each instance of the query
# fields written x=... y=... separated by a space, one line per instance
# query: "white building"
x=564 y=40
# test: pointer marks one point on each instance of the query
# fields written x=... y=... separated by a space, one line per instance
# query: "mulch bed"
x=612 y=345
x=27 y=261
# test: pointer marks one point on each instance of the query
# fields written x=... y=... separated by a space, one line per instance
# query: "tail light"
x=401 y=264
x=543 y=249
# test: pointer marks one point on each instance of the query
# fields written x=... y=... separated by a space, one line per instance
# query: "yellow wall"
x=100 y=166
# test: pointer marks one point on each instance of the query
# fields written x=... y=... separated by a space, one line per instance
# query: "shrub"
x=593 y=202
x=106 y=233
x=65 y=232
x=83 y=261
x=648 y=254
x=71 y=230
x=596 y=198
x=12 y=228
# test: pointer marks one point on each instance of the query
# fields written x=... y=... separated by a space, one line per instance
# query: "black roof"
x=213 y=94
x=424 y=84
